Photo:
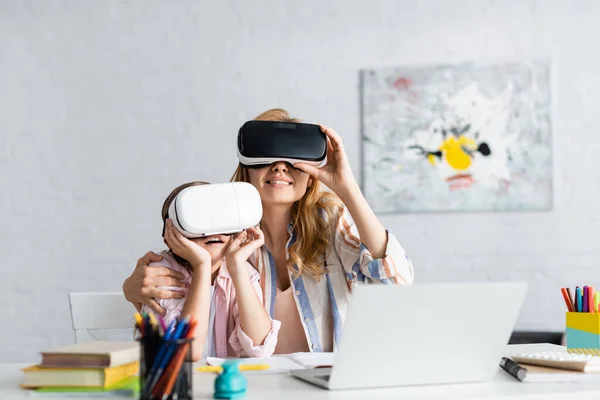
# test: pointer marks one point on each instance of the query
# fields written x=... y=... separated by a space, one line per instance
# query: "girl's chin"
x=217 y=257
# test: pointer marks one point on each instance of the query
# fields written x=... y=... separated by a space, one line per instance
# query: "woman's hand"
x=141 y=287
x=242 y=246
x=336 y=174
x=195 y=254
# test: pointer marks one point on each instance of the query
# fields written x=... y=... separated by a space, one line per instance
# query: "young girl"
x=222 y=291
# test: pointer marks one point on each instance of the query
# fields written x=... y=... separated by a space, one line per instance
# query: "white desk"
x=286 y=387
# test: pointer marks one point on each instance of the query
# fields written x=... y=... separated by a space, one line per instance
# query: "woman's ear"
x=310 y=182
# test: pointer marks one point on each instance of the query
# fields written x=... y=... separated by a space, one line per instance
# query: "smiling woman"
x=318 y=244
x=312 y=234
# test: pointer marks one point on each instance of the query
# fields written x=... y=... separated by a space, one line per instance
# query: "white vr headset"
x=215 y=209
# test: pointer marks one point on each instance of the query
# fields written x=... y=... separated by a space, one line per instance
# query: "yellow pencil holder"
x=583 y=333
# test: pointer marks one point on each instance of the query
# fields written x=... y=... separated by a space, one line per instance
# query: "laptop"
x=422 y=334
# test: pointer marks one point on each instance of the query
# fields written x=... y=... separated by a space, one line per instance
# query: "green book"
x=129 y=387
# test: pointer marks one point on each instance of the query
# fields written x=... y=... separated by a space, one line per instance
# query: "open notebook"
x=284 y=363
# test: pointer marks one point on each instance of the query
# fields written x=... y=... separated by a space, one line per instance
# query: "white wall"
x=107 y=105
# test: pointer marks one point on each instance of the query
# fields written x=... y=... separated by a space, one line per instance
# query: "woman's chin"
x=280 y=198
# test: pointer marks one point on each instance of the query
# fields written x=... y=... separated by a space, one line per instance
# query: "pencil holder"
x=583 y=333
x=165 y=368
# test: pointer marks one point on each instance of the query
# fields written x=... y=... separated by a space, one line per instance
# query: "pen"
x=591 y=299
x=579 y=299
x=596 y=301
x=242 y=367
x=586 y=302
x=513 y=368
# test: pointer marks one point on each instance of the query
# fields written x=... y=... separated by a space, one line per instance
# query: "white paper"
x=313 y=360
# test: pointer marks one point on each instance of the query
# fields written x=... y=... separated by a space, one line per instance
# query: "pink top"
x=229 y=338
x=291 y=338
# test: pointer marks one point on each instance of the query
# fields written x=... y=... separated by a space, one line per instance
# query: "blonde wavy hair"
x=313 y=229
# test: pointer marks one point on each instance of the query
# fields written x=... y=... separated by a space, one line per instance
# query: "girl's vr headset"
x=215 y=209
x=261 y=143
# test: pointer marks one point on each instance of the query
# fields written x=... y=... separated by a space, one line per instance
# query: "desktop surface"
x=280 y=386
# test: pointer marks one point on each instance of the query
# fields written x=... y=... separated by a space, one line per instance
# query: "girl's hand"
x=336 y=174
x=195 y=254
x=241 y=247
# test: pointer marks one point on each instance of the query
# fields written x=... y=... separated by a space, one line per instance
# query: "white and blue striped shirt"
x=347 y=263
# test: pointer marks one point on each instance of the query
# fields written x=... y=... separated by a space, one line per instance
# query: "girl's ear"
x=310 y=182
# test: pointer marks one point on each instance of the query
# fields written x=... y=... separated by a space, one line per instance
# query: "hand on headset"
x=195 y=254
x=242 y=245
x=336 y=174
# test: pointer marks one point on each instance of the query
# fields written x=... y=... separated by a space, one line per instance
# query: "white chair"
x=92 y=312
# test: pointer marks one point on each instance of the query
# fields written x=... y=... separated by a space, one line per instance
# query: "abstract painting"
x=464 y=137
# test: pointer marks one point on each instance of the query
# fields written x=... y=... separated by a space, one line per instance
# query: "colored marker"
x=163 y=324
x=139 y=322
x=571 y=298
x=567 y=299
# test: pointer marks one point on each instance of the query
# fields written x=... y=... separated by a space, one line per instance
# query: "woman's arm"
x=370 y=230
x=338 y=176
x=141 y=287
x=358 y=262
x=359 y=234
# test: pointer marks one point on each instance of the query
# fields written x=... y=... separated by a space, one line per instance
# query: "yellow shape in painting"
x=431 y=159
x=456 y=157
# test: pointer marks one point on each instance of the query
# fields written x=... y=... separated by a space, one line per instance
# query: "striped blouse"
x=322 y=300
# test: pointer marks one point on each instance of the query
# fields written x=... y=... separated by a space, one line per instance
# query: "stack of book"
x=99 y=367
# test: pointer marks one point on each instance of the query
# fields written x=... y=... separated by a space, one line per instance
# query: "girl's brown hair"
x=165 y=214
x=313 y=229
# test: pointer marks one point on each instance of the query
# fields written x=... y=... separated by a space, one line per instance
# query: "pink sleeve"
x=240 y=342
x=172 y=307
